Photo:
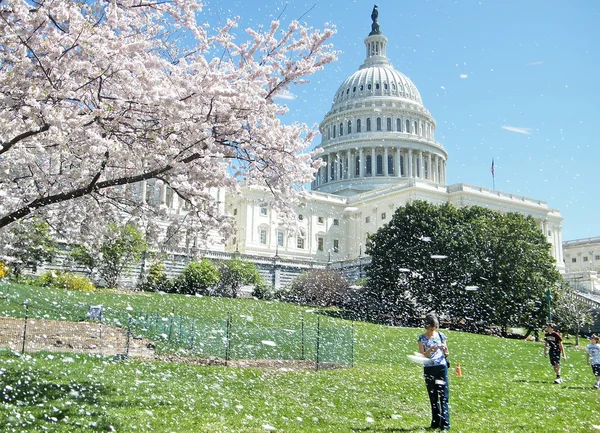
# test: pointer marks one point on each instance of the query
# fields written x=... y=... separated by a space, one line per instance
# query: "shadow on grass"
x=533 y=381
x=52 y=403
x=391 y=429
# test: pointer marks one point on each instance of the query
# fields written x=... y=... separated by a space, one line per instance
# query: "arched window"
x=347 y=91
x=416 y=130
x=328 y=132
x=376 y=86
x=407 y=126
x=334 y=133
x=341 y=129
x=389 y=124
x=379 y=165
x=368 y=165
x=369 y=124
x=362 y=87
x=379 y=123
x=349 y=126
x=354 y=89
x=385 y=86
x=332 y=172
x=358 y=125
x=390 y=165
x=369 y=87
x=357 y=166
x=401 y=165
x=398 y=125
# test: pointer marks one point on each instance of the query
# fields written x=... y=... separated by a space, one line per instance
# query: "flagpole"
x=493 y=176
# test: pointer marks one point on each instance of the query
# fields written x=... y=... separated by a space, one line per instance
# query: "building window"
x=336 y=245
x=280 y=239
x=362 y=87
x=262 y=234
x=585 y=258
x=574 y=260
x=341 y=129
x=383 y=216
x=320 y=244
x=263 y=210
x=416 y=129
x=398 y=125
x=596 y=257
x=300 y=217
x=349 y=126
x=389 y=124
x=379 y=165
x=379 y=123
x=334 y=131
x=354 y=89
x=368 y=220
x=321 y=220
x=235 y=212
x=385 y=86
x=300 y=242
x=368 y=167
x=376 y=86
x=407 y=130
x=336 y=222
x=169 y=197
x=549 y=233
x=358 y=125
x=390 y=164
x=368 y=86
x=357 y=167
x=369 y=124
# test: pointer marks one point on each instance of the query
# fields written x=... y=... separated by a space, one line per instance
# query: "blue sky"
x=511 y=80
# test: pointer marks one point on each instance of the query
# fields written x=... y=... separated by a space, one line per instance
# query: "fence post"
x=228 y=338
x=318 y=341
x=180 y=327
x=352 y=347
x=192 y=337
x=302 y=343
x=128 y=338
x=25 y=328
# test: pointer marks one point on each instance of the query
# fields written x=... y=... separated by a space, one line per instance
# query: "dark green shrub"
x=198 y=278
x=157 y=280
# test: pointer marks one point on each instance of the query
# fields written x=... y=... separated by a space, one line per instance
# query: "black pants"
x=436 y=379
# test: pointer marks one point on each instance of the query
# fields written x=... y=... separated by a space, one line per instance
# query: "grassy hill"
x=506 y=384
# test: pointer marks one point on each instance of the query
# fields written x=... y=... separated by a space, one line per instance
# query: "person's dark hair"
x=551 y=325
x=431 y=321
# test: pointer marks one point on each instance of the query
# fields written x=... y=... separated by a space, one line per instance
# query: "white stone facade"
x=379 y=144
x=582 y=264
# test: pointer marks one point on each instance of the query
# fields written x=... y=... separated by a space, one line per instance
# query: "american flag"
x=492 y=168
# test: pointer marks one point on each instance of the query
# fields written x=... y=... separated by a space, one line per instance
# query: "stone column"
x=361 y=163
x=410 y=163
x=397 y=170
x=373 y=162
x=429 y=167
x=385 y=161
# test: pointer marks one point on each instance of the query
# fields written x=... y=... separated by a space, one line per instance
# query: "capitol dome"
x=378 y=132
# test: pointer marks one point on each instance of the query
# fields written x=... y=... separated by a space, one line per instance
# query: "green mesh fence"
x=313 y=339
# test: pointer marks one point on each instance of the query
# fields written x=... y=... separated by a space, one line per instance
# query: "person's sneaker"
x=558 y=380
x=597 y=386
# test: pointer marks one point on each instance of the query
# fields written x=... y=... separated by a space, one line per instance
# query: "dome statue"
x=375 y=25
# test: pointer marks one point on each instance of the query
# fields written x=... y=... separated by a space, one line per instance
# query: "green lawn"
x=506 y=384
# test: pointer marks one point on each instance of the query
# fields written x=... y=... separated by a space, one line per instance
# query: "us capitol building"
x=378 y=141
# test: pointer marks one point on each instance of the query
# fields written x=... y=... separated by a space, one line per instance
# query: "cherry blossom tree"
x=98 y=96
